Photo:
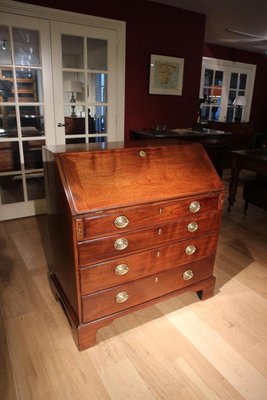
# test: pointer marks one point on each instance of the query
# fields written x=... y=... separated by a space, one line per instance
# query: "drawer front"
x=131 y=218
x=97 y=250
x=125 y=269
x=125 y=296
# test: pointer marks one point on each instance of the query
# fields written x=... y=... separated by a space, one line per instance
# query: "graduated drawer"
x=97 y=250
x=113 y=300
x=125 y=269
x=131 y=218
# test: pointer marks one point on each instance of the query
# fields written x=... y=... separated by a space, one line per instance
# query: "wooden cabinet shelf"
x=26 y=87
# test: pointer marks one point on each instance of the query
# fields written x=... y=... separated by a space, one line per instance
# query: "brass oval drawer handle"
x=142 y=153
x=194 y=207
x=121 y=221
x=121 y=244
x=190 y=250
x=188 y=275
x=122 y=297
x=121 y=269
x=192 y=227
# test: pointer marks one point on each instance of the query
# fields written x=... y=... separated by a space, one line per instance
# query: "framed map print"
x=166 y=75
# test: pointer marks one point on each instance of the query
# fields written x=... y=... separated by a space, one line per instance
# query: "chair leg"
x=245 y=207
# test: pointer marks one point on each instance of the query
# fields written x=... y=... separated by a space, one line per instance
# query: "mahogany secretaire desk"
x=129 y=226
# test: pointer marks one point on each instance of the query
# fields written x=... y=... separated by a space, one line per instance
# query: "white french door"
x=84 y=71
x=60 y=82
x=26 y=106
x=226 y=90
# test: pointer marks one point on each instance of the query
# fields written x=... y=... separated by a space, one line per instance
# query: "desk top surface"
x=125 y=176
x=254 y=154
x=181 y=133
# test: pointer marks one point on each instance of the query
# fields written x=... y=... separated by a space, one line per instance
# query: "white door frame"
x=228 y=67
x=44 y=15
x=119 y=27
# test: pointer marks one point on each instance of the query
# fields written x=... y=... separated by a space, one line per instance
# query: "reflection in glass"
x=218 y=78
x=11 y=189
x=72 y=51
x=205 y=114
x=217 y=93
x=5 y=48
x=99 y=113
x=75 y=126
x=8 y=122
x=75 y=141
x=32 y=120
x=230 y=114
x=97 y=54
x=6 y=85
x=29 y=85
x=91 y=122
x=206 y=92
x=26 y=47
x=215 y=113
x=243 y=81
x=35 y=186
x=234 y=80
x=98 y=139
x=73 y=87
x=97 y=87
x=9 y=156
x=32 y=150
x=208 y=77
x=232 y=96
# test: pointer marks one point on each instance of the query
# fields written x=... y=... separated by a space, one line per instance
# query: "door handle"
x=60 y=124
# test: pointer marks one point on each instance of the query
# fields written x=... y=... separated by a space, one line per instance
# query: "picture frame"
x=166 y=75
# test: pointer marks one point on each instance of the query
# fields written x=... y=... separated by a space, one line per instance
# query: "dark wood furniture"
x=255 y=192
x=216 y=143
x=74 y=125
x=129 y=226
x=252 y=160
x=242 y=132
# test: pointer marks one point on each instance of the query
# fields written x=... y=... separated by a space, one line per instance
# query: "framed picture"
x=166 y=75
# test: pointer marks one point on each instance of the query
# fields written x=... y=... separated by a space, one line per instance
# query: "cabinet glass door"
x=85 y=74
x=24 y=122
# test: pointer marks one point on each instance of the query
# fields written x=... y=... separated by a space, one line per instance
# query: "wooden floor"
x=180 y=349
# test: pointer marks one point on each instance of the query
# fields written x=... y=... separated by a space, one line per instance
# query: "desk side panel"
x=60 y=250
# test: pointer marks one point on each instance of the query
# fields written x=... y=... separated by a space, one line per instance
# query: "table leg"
x=233 y=184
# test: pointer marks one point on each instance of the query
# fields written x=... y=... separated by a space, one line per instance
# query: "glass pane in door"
x=243 y=81
x=218 y=78
x=8 y=122
x=26 y=47
x=29 y=85
x=234 y=80
x=208 y=77
x=5 y=48
x=97 y=54
x=72 y=51
x=11 y=189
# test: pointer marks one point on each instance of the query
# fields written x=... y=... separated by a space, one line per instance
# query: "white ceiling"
x=248 y=16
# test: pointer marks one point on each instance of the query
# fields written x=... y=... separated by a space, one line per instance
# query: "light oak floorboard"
x=180 y=349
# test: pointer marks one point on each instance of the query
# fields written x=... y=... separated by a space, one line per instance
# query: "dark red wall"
x=259 y=104
x=152 y=28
